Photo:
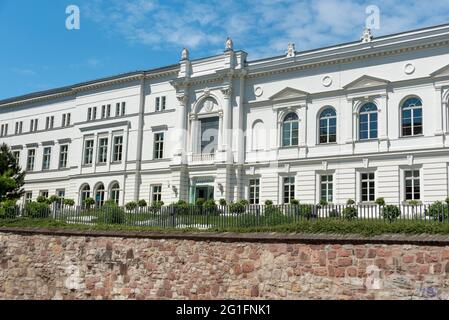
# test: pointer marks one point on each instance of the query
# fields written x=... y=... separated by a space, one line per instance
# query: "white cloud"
x=262 y=28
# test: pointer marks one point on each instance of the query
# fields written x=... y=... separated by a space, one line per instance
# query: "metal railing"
x=223 y=217
x=202 y=157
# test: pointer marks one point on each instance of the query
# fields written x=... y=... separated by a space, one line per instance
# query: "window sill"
x=101 y=164
x=86 y=166
x=116 y=162
x=410 y=137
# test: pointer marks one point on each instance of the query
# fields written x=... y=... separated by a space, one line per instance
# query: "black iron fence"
x=223 y=217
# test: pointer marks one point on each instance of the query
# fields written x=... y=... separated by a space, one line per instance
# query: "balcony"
x=201 y=158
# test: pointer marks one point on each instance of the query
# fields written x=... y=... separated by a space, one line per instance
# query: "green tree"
x=12 y=178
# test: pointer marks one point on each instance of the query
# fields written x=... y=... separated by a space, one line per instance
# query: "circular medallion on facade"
x=258 y=91
x=327 y=81
x=409 y=68
x=209 y=105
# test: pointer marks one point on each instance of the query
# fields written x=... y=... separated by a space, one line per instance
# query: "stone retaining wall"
x=36 y=266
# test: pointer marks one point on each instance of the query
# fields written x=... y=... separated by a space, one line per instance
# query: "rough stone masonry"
x=82 y=267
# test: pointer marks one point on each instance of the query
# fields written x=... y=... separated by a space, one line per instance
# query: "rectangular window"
x=117 y=109
x=17 y=156
x=254 y=191
x=30 y=159
x=4 y=130
x=123 y=108
x=88 y=152
x=33 y=125
x=94 y=113
x=159 y=145
x=49 y=122
x=412 y=185
x=46 y=158
x=89 y=114
x=118 y=149
x=103 y=112
x=156 y=194
x=158 y=104
x=63 y=156
x=19 y=126
x=327 y=188
x=108 y=111
x=368 y=187
x=103 y=150
x=43 y=193
x=68 y=119
x=163 y=103
x=28 y=196
x=289 y=189
x=64 y=116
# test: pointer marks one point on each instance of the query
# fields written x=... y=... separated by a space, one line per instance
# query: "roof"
x=70 y=88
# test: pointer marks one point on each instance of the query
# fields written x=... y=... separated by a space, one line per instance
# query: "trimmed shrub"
x=142 y=203
x=89 y=202
x=210 y=207
x=380 y=202
x=244 y=202
x=350 y=202
x=438 y=211
x=42 y=199
x=131 y=206
x=223 y=202
x=181 y=207
x=112 y=213
x=294 y=202
x=199 y=202
x=236 y=208
x=54 y=199
x=350 y=213
x=69 y=202
x=391 y=213
x=37 y=210
x=447 y=200
x=324 y=203
x=156 y=206
x=413 y=203
x=8 y=209
x=268 y=203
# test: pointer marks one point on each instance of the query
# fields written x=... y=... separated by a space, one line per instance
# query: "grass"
x=329 y=226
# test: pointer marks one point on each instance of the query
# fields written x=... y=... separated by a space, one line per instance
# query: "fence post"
x=54 y=210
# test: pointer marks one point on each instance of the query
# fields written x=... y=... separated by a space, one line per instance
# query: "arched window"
x=115 y=192
x=259 y=136
x=328 y=126
x=85 y=193
x=99 y=195
x=368 y=118
x=412 y=122
x=290 y=130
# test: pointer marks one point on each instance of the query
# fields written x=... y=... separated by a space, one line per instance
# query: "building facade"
x=360 y=121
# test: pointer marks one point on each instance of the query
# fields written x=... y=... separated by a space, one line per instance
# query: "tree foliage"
x=12 y=178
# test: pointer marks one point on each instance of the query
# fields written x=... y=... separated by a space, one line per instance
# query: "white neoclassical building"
x=359 y=120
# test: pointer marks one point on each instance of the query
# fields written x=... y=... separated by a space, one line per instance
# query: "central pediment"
x=289 y=93
x=366 y=82
x=442 y=72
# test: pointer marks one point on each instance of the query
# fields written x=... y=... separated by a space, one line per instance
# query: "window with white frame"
x=33 y=125
x=103 y=112
x=19 y=127
x=66 y=119
x=88 y=151
x=254 y=191
x=117 y=109
x=368 y=117
x=84 y=194
x=43 y=193
x=46 y=158
x=412 y=185
x=327 y=188
x=103 y=150
x=63 y=156
x=17 y=156
x=123 y=110
x=290 y=130
x=161 y=103
x=4 y=130
x=49 y=122
x=289 y=189
x=30 y=159
x=115 y=193
x=412 y=117
x=159 y=145
x=156 y=193
x=368 y=186
x=28 y=196
x=328 y=126
x=108 y=111
x=117 y=149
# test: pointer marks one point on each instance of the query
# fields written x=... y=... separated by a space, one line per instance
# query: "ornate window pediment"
x=442 y=72
x=208 y=105
x=289 y=93
x=365 y=82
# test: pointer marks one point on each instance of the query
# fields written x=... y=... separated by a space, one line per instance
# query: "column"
x=342 y=115
x=383 y=117
x=181 y=124
x=439 y=114
x=227 y=121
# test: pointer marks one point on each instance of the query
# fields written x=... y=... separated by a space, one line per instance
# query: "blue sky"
x=117 y=36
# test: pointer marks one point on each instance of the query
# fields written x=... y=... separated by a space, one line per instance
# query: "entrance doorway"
x=204 y=192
